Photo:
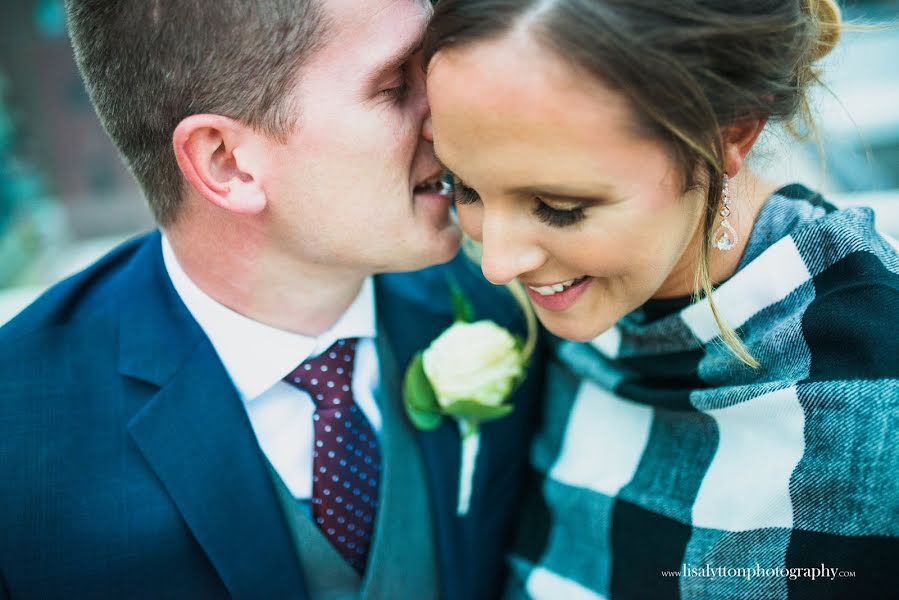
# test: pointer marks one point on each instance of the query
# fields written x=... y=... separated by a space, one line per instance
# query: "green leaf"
x=475 y=412
x=417 y=389
x=426 y=421
x=419 y=398
x=519 y=343
x=461 y=306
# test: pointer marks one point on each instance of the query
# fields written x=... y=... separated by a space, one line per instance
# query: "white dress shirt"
x=257 y=357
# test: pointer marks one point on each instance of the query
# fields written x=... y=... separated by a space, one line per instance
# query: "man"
x=214 y=410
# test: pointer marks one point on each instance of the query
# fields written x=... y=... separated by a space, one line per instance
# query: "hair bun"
x=828 y=19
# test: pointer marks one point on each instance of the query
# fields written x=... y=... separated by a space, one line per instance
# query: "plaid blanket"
x=665 y=468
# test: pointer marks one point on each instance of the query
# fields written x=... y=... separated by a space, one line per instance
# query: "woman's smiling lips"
x=559 y=296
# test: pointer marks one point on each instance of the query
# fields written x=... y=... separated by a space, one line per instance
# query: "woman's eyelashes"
x=464 y=194
x=555 y=217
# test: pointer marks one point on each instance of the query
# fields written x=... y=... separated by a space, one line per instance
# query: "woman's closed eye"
x=552 y=216
x=558 y=217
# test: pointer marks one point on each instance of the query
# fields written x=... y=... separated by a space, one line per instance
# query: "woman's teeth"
x=549 y=290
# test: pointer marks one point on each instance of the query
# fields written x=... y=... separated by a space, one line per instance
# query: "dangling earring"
x=725 y=237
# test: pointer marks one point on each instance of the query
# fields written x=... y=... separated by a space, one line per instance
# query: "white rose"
x=473 y=361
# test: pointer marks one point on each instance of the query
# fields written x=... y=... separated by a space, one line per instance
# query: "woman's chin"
x=571 y=328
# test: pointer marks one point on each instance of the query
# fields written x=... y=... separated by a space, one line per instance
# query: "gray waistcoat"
x=402 y=560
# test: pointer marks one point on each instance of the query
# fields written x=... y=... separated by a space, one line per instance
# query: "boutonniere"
x=467 y=374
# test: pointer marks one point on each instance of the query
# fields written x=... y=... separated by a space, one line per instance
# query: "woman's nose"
x=508 y=251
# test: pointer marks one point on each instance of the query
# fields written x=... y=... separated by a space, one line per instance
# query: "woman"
x=725 y=386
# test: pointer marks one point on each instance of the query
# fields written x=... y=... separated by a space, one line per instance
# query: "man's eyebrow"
x=394 y=61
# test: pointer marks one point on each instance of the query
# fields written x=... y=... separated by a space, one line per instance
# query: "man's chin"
x=450 y=242
x=441 y=248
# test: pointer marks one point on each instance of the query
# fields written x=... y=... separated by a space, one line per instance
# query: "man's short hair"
x=148 y=64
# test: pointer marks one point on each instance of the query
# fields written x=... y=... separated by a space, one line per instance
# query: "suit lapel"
x=195 y=435
x=440 y=449
x=404 y=528
x=480 y=536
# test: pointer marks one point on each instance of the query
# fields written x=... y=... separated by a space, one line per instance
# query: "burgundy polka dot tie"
x=346 y=462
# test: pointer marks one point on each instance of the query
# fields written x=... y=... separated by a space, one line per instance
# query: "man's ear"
x=738 y=141
x=215 y=155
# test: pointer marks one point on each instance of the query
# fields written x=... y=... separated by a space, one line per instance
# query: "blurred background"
x=66 y=198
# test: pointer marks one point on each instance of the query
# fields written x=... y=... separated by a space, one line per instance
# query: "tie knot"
x=328 y=377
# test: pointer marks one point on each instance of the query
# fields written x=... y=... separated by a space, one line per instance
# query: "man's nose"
x=508 y=250
x=427 y=129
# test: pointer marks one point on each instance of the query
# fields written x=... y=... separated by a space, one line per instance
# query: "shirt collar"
x=257 y=356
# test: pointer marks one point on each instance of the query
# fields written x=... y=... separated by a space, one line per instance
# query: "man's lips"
x=433 y=187
x=433 y=184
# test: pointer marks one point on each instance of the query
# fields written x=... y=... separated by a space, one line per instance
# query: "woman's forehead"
x=509 y=95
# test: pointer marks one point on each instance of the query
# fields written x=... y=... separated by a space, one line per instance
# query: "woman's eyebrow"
x=564 y=192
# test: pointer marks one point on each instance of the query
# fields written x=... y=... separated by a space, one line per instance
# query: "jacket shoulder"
x=79 y=299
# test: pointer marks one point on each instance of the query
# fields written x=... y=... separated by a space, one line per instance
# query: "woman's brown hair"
x=690 y=68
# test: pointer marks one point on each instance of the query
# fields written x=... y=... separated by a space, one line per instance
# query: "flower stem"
x=471 y=443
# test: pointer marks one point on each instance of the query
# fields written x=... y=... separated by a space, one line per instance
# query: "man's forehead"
x=374 y=33
x=353 y=15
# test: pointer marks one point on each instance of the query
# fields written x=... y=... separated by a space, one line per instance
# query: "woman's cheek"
x=470 y=219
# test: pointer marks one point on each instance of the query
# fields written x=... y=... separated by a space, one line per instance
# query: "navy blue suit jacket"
x=130 y=469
